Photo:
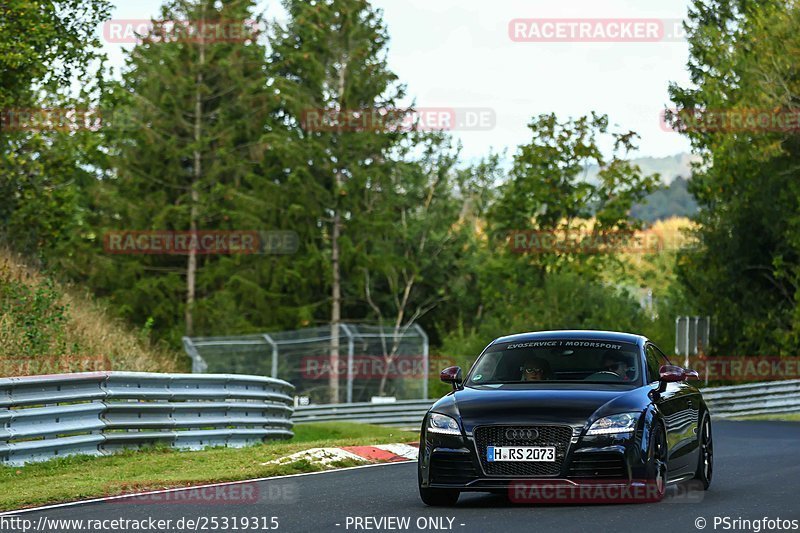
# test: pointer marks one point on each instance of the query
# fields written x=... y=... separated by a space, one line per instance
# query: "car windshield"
x=558 y=360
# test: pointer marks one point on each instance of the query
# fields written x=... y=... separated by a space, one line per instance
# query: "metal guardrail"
x=724 y=402
x=775 y=397
x=408 y=413
x=42 y=417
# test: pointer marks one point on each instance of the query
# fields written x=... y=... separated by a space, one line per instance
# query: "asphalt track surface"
x=757 y=475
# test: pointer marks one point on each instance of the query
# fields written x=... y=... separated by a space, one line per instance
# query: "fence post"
x=350 y=353
x=274 y=355
x=425 y=359
x=198 y=363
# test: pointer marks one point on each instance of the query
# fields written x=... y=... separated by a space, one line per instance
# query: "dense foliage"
x=743 y=65
x=391 y=226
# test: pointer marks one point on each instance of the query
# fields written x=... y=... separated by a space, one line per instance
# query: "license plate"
x=545 y=454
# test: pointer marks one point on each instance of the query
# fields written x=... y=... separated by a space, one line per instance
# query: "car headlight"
x=610 y=425
x=443 y=424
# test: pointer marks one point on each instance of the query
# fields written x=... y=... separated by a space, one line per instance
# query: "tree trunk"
x=336 y=306
x=336 y=286
x=390 y=356
x=191 y=267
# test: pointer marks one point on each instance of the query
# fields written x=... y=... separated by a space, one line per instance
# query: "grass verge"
x=81 y=477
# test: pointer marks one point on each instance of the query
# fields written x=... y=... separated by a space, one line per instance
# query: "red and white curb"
x=381 y=453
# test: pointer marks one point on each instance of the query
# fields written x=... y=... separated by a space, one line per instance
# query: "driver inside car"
x=535 y=369
x=616 y=363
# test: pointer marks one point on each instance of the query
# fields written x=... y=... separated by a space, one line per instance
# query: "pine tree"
x=330 y=60
x=196 y=107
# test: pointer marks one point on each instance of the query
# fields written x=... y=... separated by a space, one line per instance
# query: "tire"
x=439 y=497
x=705 y=460
x=657 y=458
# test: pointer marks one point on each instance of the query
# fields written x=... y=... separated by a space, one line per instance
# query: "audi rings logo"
x=522 y=434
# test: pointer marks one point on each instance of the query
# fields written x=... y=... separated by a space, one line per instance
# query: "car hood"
x=564 y=405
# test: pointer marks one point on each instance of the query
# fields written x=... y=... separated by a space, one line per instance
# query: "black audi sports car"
x=566 y=409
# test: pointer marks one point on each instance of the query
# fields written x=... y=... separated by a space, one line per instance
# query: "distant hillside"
x=669 y=168
x=674 y=201
x=47 y=329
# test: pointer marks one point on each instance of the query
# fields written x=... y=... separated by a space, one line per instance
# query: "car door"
x=675 y=404
x=685 y=420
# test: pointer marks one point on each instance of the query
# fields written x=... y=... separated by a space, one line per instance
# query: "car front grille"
x=597 y=466
x=557 y=436
x=452 y=468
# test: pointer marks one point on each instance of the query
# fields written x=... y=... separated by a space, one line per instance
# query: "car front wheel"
x=705 y=462
x=657 y=467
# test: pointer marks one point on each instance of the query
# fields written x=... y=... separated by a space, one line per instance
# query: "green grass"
x=81 y=477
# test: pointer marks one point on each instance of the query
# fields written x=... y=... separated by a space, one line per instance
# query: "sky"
x=459 y=55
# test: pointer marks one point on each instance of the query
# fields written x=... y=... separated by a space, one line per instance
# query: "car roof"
x=574 y=334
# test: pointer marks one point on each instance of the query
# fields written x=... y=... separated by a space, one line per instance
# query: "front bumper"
x=454 y=462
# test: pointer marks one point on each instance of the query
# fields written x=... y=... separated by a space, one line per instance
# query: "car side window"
x=661 y=355
x=653 y=363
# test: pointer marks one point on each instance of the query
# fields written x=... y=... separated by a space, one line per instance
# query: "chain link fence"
x=371 y=362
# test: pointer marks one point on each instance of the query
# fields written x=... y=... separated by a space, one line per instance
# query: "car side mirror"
x=453 y=376
x=670 y=374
